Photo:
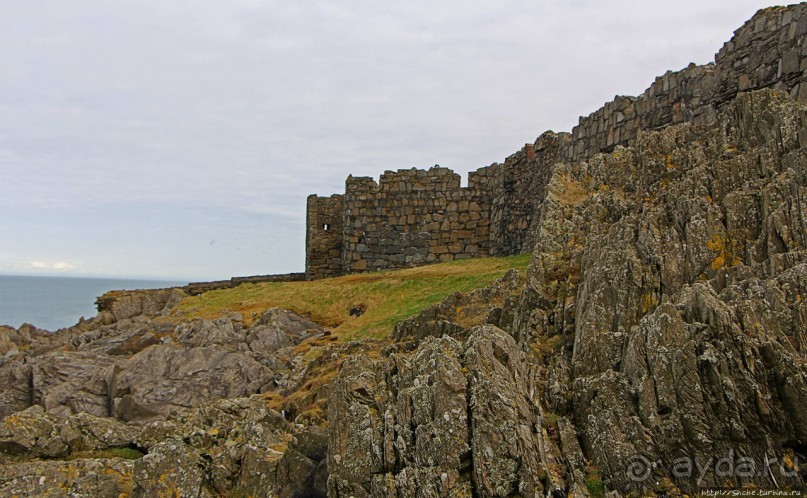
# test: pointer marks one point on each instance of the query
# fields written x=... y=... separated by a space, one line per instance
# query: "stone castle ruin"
x=415 y=217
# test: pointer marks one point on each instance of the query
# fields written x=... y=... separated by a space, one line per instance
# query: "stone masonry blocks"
x=414 y=217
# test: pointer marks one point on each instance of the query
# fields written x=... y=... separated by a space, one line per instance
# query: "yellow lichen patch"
x=573 y=191
x=272 y=455
x=649 y=302
x=724 y=253
x=475 y=314
x=668 y=162
x=12 y=421
x=276 y=450
x=168 y=487
x=788 y=457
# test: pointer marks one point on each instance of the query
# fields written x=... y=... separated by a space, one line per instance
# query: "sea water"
x=52 y=303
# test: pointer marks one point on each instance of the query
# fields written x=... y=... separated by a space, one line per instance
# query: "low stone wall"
x=121 y=304
x=196 y=288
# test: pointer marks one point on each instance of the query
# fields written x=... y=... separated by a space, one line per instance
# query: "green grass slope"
x=387 y=297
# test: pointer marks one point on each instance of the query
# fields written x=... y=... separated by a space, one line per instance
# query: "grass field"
x=386 y=296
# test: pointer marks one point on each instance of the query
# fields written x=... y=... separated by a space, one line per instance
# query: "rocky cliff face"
x=660 y=331
x=656 y=346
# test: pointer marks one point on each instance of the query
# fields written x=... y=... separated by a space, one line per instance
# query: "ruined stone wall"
x=519 y=193
x=768 y=51
x=323 y=244
x=413 y=217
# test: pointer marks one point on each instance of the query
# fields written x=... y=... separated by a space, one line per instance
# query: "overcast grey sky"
x=179 y=139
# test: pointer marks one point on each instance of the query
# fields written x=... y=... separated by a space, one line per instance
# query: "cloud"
x=137 y=131
x=59 y=266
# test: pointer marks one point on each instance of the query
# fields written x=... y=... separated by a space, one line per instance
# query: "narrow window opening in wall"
x=326 y=227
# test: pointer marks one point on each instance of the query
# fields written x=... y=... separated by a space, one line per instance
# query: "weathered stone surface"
x=15 y=385
x=72 y=382
x=121 y=305
x=67 y=479
x=170 y=469
x=163 y=378
x=209 y=451
x=36 y=434
x=138 y=369
x=231 y=444
x=447 y=418
x=303 y=470
x=279 y=329
x=682 y=337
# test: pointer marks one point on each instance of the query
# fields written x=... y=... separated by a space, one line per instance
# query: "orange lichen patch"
x=168 y=487
x=282 y=446
x=13 y=421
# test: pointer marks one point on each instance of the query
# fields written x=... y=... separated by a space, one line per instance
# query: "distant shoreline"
x=56 y=302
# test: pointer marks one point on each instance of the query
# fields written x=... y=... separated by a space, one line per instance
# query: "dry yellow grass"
x=387 y=297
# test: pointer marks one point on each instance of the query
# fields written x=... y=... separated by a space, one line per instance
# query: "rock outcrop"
x=449 y=419
x=212 y=450
x=140 y=368
x=687 y=328
x=148 y=406
x=656 y=346
x=661 y=331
